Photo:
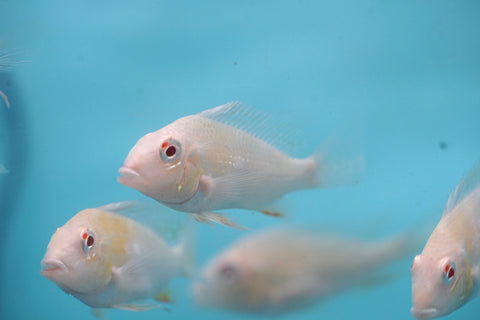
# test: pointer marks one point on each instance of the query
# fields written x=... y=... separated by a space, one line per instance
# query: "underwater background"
x=95 y=76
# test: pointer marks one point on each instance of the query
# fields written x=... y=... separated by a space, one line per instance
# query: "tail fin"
x=406 y=244
x=340 y=159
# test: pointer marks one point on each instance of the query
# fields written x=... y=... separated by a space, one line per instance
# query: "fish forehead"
x=117 y=231
x=455 y=232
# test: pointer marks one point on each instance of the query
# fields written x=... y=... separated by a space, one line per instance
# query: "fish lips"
x=427 y=313
x=51 y=266
x=128 y=176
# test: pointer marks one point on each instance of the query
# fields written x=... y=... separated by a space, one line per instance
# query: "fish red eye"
x=449 y=272
x=88 y=240
x=170 y=150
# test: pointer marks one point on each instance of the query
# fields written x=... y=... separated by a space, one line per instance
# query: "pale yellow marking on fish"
x=272 y=213
x=174 y=166
x=117 y=230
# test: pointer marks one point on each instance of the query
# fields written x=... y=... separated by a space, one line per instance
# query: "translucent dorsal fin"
x=165 y=222
x=11 y=58
x=469 y=182
x=261 y=125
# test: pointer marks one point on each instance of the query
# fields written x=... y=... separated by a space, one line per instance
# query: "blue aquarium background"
x=95 y=76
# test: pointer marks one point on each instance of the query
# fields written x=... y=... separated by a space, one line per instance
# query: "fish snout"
x=127 y=175
x=427 y=313
x=51 y=265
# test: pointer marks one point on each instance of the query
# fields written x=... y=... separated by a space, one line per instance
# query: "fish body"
x=220 y=159
x=446 y=274
x=107 y=260
x=281 y=270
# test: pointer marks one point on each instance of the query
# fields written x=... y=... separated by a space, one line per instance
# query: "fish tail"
x=339 y=160
x=404 y=245
x=209 y=217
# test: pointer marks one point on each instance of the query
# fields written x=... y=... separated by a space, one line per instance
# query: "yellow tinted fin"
x=209 y=217
x=98 y=313
x=163 y=297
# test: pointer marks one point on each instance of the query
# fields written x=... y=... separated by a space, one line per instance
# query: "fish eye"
x=228 y=272
x=449 y=270
x=88 y=240
x=170 y=150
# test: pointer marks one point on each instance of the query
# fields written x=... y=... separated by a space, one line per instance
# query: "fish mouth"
x=50 y=266
x=427 y=313
x=127 y=174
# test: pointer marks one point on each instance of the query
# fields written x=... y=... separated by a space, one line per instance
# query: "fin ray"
x=209 y=217
x=261 y=125
x=469 y=182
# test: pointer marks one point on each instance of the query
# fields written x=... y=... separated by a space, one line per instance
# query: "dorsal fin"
x=469 y=182
x=164 y=221
x=261 y=125
x=9 y=59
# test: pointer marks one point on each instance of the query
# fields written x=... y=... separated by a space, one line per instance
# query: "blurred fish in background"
x=107 y=259
x=445 y=275
x=14 y=141
x=230 y=157
x=284 y=269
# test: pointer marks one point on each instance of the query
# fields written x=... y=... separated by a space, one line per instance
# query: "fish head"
x=222 y=285
x=162 y=165
x=440 y=283
x=76 y=259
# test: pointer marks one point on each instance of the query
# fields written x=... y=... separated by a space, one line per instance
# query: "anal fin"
x=209 y=217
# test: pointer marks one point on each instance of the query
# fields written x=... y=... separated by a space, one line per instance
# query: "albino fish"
x=229 y=157
x=280 y=270
x=107 y=260
x=446 y=274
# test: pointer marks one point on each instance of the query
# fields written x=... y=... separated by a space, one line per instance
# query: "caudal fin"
x=340 y=158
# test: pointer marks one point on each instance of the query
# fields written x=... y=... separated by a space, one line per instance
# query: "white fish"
x=446 y=274
x=281 y=270
x=107 y=260
x=226 y=157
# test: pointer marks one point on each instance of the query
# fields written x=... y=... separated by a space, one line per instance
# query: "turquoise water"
x=98 y=75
